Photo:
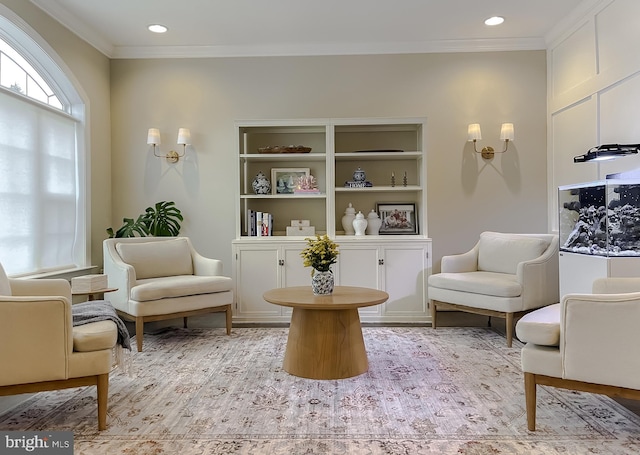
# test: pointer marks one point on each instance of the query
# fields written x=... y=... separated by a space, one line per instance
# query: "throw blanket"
x=100 y=310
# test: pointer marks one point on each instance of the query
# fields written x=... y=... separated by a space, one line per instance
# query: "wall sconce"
x=184 y=139
x=474 y=134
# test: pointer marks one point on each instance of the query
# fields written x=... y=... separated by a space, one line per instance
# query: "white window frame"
x=45 y=60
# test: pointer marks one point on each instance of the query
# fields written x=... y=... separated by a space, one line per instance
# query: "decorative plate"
x=284 y=149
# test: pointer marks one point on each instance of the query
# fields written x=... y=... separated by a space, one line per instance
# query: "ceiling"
x=214 y=28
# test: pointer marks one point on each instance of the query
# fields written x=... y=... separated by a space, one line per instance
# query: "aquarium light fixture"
x=607 y=152
x=475 y=134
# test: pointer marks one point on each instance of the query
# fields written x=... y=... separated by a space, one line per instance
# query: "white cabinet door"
x=358 y=266
x=257 y=271
x=294 y=272
x=264 y=266
x=405 y=271
x=400 y=270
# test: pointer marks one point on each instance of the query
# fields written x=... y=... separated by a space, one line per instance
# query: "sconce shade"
x=473 y=132
x=184 y=136
x=153 y=138
x=506 y=132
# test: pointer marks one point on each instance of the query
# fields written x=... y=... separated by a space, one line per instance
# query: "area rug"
x=443 y=391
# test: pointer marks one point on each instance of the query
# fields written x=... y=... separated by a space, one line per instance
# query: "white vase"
x=347 y=220
x=373 y=223
x=360 y=224
x=322 y=282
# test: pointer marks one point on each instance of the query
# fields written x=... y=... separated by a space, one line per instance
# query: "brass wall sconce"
x=184 y=139
x=474 y=134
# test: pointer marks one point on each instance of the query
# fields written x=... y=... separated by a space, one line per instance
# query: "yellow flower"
x=320 y=253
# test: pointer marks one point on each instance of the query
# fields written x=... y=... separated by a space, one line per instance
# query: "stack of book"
x=259 y=224
x=88 y=283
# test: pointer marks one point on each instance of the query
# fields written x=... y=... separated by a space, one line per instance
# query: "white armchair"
x=503 y=275
x=41 y=350
x=588 y=342
x=160 y=278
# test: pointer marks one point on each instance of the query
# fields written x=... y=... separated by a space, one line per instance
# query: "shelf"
x=378 y=189
x=284 y=196
x=284 y=156
x=358 y=156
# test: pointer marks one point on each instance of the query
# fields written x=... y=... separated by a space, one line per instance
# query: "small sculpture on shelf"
x=404 y=179
x=393 y=179
x=306 y=184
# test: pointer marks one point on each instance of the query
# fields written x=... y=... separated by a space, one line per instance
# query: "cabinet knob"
x=380 y=261
x=280 y=261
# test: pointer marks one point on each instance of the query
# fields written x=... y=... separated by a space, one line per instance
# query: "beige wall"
x=90 y=70
x=466 y=194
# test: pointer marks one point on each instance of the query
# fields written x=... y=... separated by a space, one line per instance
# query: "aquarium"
x=600 y=218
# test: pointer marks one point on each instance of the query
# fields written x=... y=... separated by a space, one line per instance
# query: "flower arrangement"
x=320 y=253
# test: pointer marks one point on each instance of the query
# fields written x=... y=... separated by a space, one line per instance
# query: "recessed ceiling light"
x=157 y=28
x=495 y=20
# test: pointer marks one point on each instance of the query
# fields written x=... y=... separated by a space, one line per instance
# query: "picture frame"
x=397 y=218
x=283 y=179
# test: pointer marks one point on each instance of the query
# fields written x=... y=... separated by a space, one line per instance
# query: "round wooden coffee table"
x=325 y=338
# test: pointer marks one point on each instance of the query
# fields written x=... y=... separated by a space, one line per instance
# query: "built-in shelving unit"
x=380 y=147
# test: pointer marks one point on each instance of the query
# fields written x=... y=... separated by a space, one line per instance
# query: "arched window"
x=19 y=76
x=42 y=178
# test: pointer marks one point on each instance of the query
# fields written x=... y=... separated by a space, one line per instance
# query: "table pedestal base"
x=325 y=344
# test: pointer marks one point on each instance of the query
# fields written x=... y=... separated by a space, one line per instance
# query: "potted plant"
x=162 y=219
x=320 y=254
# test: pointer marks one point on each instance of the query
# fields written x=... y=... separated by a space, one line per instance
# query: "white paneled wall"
x=594 y=94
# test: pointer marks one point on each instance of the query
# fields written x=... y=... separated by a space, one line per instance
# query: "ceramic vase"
x=373 y=223
x=261 y=184
x=360 y=224
x=347 y=220
x=322 y=282
x=359 y=175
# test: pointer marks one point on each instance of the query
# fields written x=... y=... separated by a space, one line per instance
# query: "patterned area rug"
x=444 y=391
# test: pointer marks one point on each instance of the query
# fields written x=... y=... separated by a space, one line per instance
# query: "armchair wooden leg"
x=184 y=322
x=509 y=328
x=103 y=398
x=530 y=399
x=228 y=319
x=139 y=332
x=434 y=311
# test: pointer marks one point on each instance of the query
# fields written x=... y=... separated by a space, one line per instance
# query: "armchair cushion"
x=158 y=259
x=540 y=327
x=486 y=283
x=179 y=286
x=94 y=336
x=502 y=253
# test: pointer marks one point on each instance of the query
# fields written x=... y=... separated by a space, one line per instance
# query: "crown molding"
x=443 y=46
x=76 y=26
